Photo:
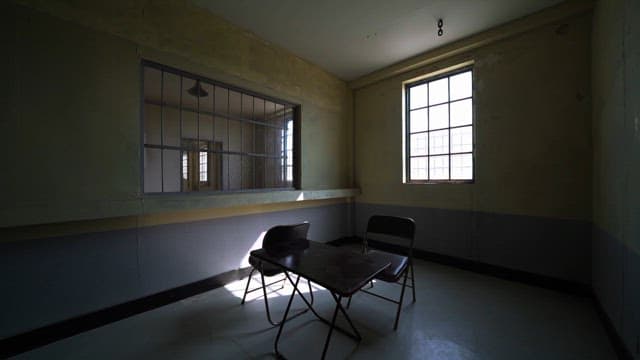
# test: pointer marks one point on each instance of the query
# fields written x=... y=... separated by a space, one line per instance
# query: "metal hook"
x=440 y=31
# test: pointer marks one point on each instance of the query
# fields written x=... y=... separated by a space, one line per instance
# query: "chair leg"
x=246 y=289
x=404 y=285
x=413 y=283
x=266 y=301
x=310 y=291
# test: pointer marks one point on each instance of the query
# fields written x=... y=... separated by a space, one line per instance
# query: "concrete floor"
x=458 y=315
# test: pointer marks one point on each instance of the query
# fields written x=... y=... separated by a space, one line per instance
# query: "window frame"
x=407 y=128
x=296 y=110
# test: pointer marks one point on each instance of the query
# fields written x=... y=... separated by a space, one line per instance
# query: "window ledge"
x=177 y=202
x=37 y=213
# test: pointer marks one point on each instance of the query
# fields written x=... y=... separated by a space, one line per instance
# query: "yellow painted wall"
x=616 y=120
x=532 y=128
x=71 y=127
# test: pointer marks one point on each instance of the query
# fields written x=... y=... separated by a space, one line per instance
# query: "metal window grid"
x=428 y=156
x=243 y=160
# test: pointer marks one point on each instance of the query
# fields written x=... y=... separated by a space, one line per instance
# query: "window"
x=439 y=129
x=201 y=135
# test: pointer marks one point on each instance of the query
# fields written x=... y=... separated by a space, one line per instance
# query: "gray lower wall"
x=48 y=280
x=616 y=284
x=545 y=246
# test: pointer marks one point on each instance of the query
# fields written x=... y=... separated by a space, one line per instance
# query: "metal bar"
x=440 y=129
x=379 y=296
x=210 y=81
x=442 y=103
x=338 y=300
x=214 y=113
x=449 y=127
x=180 y=140
x=286 y=312
x=253 y=160
x=264 y=144
x=241 y=143
x=170 y=147
x=395 y=325
x=247 y=287
x=228 y=143
x=443 y=75
x=333 y=324
x=456 y=153
x=310 y=306
x=161 y=133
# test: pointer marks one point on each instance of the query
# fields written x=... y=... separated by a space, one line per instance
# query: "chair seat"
x=266 y=268
x=393 y=271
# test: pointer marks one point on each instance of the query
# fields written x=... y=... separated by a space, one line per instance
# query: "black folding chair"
x=277 y=238
x=381 y=230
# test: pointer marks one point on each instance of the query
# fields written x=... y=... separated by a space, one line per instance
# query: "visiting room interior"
x=149 y=145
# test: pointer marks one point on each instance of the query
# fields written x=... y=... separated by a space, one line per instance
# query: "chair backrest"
x=400 y=228
x=279 y=238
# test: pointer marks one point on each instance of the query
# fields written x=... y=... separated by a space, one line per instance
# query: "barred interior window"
x=439 y=128
x=201 y=135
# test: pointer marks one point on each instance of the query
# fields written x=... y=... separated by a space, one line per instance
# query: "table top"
x=342 y=271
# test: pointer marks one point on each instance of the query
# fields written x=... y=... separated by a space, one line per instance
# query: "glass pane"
x=419 y=144
x=418 y=96
x=439 y=167
x=170 y=91
x=221 y=100
x=258 y=109
x=189 y=124
x=205 y=101
x=171 y=109
x=235 y=104
x=171 y=130
x=462 y=167
x=152 y=124
x=438 y=91
x=206 y=127
x=247 y=172
x=234 y=172
x=460 y=86
x=152 y=85
x=260 y=172
x=152 y=109
x=439 y=117
x=235 y=136
x=419 y=168
x=189 y=101
x=152 y=172
x=418 y=120
x=439 y=142
x=171 y=170
x=248 y=136
x=461 y=112
x=461 y=139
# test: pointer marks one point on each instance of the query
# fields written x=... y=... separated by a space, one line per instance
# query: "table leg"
x=286 y=312
x=338 y=300
x=333 y=324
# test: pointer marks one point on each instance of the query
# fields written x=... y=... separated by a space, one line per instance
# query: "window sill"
x=176 y=202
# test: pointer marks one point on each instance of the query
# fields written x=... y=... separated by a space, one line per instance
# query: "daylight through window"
x=439 y=129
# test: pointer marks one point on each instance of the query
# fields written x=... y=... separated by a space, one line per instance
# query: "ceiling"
x=351 y=38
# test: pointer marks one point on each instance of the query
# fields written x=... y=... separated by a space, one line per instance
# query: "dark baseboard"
x=50 y=333
x=525 y=277
x=619 y=346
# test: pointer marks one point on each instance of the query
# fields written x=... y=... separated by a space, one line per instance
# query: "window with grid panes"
x=202 y=135
x=439 y=129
